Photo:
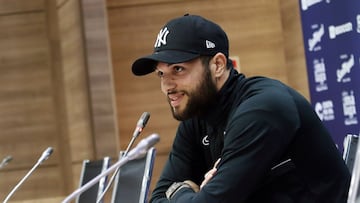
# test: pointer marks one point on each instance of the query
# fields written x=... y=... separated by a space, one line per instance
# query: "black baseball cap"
x=183 y=39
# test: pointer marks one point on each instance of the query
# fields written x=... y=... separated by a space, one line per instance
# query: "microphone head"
x=48 y=151
x=45 y=155
x=7 y=159
x=143 y=119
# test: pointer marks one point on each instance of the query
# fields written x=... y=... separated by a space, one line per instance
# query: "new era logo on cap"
x=209 y=44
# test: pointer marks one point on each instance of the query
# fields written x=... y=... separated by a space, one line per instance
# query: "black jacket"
x=273 y=149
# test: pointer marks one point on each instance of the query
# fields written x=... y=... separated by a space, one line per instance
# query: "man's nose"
x=167 y=84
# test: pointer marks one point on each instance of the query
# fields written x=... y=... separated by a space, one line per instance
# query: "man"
x=266 y=140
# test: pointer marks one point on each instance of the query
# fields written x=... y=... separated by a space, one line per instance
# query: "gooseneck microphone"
x=5 y=161
x=141 y=148
x=44 y=156
x=140 y=125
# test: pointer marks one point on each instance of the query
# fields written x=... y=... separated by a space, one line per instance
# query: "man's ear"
x=220 y=61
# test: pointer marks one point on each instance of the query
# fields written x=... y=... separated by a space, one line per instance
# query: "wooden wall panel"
x=100 y=78
x=26 y=104
x=74 y=84
x=67 y=118
x=294 y=47
x=44 y=182
x=28 y=123
x=137 y=3
x=87 y=85
x=20 y=6
x=45 y=97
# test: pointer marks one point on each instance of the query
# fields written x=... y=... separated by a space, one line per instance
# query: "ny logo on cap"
x=161 y=38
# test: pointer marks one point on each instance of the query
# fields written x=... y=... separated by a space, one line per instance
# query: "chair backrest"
x=90 y=169
x=352 y=159
x=133 y=180
x=350 y=148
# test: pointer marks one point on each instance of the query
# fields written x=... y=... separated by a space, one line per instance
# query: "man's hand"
x=193 y=185
x=210 y=174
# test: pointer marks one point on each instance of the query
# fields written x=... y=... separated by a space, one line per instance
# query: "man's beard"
x=199 y=99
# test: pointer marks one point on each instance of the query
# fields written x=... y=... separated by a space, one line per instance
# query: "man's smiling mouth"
x=175 y=98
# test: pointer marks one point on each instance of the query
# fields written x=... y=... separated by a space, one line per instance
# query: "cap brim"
x=146 y=64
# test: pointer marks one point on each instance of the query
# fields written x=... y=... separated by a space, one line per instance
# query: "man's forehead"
x=186 y=63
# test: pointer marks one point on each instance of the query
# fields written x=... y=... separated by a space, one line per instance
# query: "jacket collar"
x=218 y=112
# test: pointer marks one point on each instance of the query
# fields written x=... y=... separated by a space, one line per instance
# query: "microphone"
x=5 y=161
x=141 y=148
x=45 y=155
x=140 y=125
x=139 y=128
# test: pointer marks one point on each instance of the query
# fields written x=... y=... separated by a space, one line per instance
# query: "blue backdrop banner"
x=331 y=32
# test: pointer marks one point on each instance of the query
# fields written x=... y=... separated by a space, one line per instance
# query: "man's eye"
x=159 y=73
x=178 y=69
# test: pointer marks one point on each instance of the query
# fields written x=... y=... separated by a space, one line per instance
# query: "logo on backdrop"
x=345 y=69
x=305 y=4
x=335 y=31
x=161 y=38
x=331 y=36
x=320 y=75
x=349 y=108
x=325 y=110
x=316 y=37
x=358 y=23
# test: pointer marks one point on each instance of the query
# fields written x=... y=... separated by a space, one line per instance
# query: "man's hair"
x=206 y=59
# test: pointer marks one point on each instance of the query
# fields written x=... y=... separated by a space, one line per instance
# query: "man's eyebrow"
x=168 y=65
